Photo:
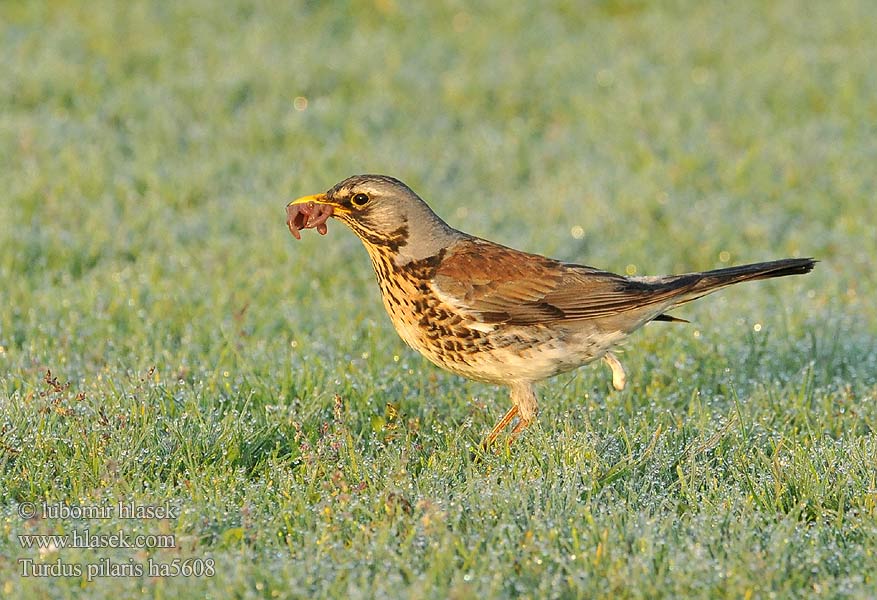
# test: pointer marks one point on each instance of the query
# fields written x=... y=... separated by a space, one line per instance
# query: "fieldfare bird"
x=495 y=314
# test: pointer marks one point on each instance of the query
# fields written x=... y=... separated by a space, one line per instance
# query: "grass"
x=164 y=340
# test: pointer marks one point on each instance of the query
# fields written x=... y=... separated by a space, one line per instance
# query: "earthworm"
x=307 y=216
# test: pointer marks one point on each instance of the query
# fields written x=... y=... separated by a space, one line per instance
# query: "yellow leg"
x=521 y=426
x=524 y=397
x=502 y=424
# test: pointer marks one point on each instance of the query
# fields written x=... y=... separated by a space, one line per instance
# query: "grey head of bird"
x=382 y=211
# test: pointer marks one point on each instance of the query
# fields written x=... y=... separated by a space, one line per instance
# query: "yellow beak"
x=318 y=198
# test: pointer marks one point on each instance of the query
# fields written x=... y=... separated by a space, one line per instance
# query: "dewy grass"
x=164 y=343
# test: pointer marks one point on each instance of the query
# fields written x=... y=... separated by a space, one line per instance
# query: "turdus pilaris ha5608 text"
x=495 y=314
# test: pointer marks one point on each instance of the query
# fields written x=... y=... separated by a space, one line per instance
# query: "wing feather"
x=496 y=284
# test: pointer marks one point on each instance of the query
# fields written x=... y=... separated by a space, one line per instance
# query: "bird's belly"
x=498 y=353
x=491 y=352
x=534 y=353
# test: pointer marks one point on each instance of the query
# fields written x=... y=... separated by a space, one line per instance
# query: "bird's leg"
x=524 y=397
x=502 y=424
x=519 y=427
x=618 y=376
x=523 y=405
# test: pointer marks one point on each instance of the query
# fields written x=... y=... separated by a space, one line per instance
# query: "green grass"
x=200 y=356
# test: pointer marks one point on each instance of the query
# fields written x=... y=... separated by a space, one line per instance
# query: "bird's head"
x=382 y=211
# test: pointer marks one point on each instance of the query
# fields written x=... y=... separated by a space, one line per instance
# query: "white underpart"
x=545 y=358
x=460 y=308
x=482 y=327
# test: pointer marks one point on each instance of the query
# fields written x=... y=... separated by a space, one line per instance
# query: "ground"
x=165 y=343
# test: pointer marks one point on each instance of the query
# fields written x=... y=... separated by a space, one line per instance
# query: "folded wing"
x=495 y=284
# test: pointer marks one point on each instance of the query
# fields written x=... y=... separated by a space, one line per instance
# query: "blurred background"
x=149 y=148
x=147 y=151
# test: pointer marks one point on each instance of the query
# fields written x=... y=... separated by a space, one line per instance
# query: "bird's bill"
x=315 y=198
x=309 y=212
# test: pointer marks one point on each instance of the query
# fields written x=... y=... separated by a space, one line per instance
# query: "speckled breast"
x=424 y=322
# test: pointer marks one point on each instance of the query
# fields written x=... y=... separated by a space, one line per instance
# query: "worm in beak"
x=307 y=215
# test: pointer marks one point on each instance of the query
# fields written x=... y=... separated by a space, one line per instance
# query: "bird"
x=494 y=314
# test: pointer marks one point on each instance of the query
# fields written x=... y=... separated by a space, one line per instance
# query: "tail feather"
x=710 y=281
x=670 y=319
x=647 y=298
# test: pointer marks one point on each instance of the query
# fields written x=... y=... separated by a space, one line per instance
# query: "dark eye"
x=359 y=200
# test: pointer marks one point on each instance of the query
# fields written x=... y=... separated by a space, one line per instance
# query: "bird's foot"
x=619 y=378
x=522 y=424
x=500 y=425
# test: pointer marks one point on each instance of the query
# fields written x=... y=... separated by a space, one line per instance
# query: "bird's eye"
x=359 y=200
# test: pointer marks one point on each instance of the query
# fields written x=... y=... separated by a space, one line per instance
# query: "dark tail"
x=710 y=281
x=692 y=286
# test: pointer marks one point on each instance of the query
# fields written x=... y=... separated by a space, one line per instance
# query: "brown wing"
x=496 y=284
